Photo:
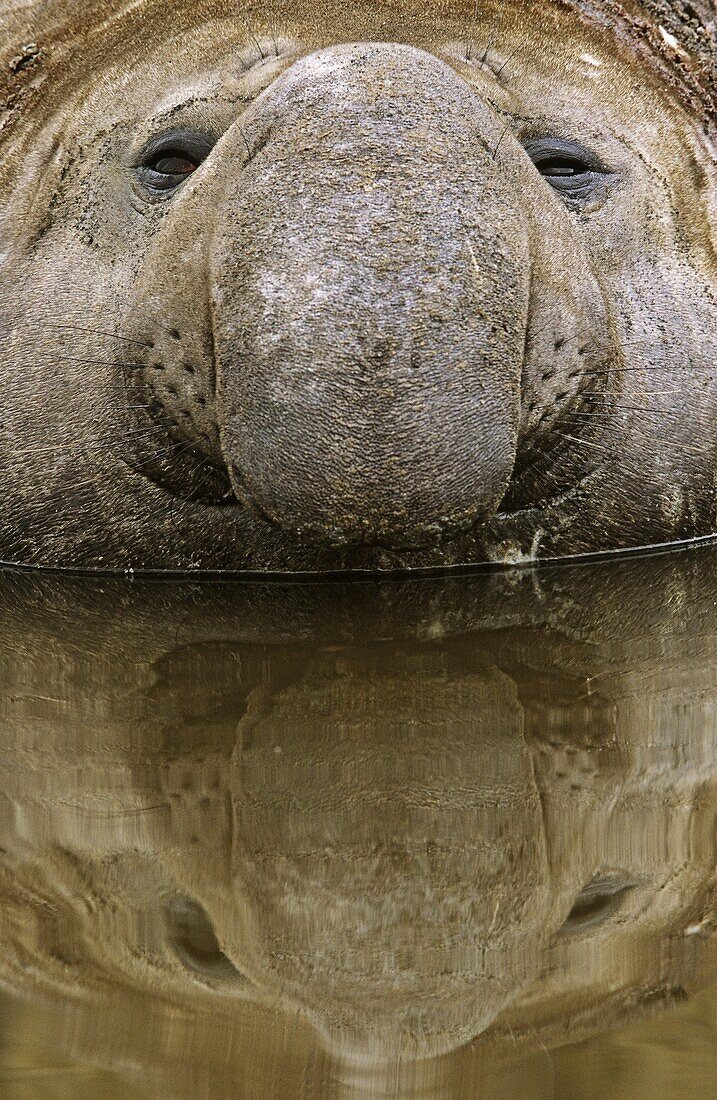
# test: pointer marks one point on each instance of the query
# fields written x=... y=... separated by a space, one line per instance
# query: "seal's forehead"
x=688 y=27
x=69 y=73
x=105 y=44
x=684 y=34
x=40 y=34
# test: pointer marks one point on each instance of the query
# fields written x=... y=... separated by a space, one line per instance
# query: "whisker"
x=106 y=441
x=94 y=362
x=500 y=139
x=136 y=312
x=667 y=444
x=643 y=367
x=590 y=394
x=576 y=336
x=171 y=329
x=494 y=30
x=246 y=141
x=252 y=34
x=74 y=485
x=95 y=332
x=167 y=452
x=563 y=340
x=540 y=460
x=274 y=38
x=583 y=442
x=508 y=59
x=629 y=408
x=542 y=329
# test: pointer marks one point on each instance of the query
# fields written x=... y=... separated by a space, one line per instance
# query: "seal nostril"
x=175 y=334
x=157 y=366
x=189 y=368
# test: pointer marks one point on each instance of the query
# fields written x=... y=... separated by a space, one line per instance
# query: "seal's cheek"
x=171 y=385
x=570 y=349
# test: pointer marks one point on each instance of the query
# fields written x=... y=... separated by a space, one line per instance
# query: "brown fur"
x=411 y=355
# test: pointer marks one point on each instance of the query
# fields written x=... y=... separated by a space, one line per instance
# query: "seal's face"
x=355 y=293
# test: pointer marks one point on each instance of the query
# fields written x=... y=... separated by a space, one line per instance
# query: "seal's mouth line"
x=431 y=539
x=244 y=499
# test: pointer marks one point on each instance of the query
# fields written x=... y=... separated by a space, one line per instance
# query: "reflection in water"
x=327 y=840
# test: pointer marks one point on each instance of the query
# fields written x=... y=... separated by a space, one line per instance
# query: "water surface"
x=432 y=838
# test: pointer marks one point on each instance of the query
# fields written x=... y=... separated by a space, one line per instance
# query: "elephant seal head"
x=320 y=290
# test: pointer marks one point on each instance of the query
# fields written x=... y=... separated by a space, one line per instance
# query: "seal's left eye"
x=566 y=166
x=561 y=167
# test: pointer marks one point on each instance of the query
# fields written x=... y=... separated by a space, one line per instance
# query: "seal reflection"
x=356 y=839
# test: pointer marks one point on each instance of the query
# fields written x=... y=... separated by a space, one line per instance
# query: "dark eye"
x=562 y=168
x=597 y=901
x=174 y=165
x=569 y=169
x=172 y=159
x=194 y=940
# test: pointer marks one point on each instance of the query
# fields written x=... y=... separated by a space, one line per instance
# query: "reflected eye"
x=598 y=901
x=194 y=940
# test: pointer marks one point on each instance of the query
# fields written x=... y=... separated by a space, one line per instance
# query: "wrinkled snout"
x=370 y=281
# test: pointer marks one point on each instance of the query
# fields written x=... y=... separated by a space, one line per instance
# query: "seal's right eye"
x=170 y=160
x=172 y=168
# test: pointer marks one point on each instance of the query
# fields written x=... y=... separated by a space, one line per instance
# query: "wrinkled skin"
x=373 y=328
x=357 y=824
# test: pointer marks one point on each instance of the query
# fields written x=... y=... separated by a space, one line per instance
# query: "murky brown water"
x=436 y=838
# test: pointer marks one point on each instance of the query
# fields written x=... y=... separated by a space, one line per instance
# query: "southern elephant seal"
x=314 y=286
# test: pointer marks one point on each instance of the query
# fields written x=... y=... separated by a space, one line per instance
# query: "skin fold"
x=427 y=288
x=372 y=833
